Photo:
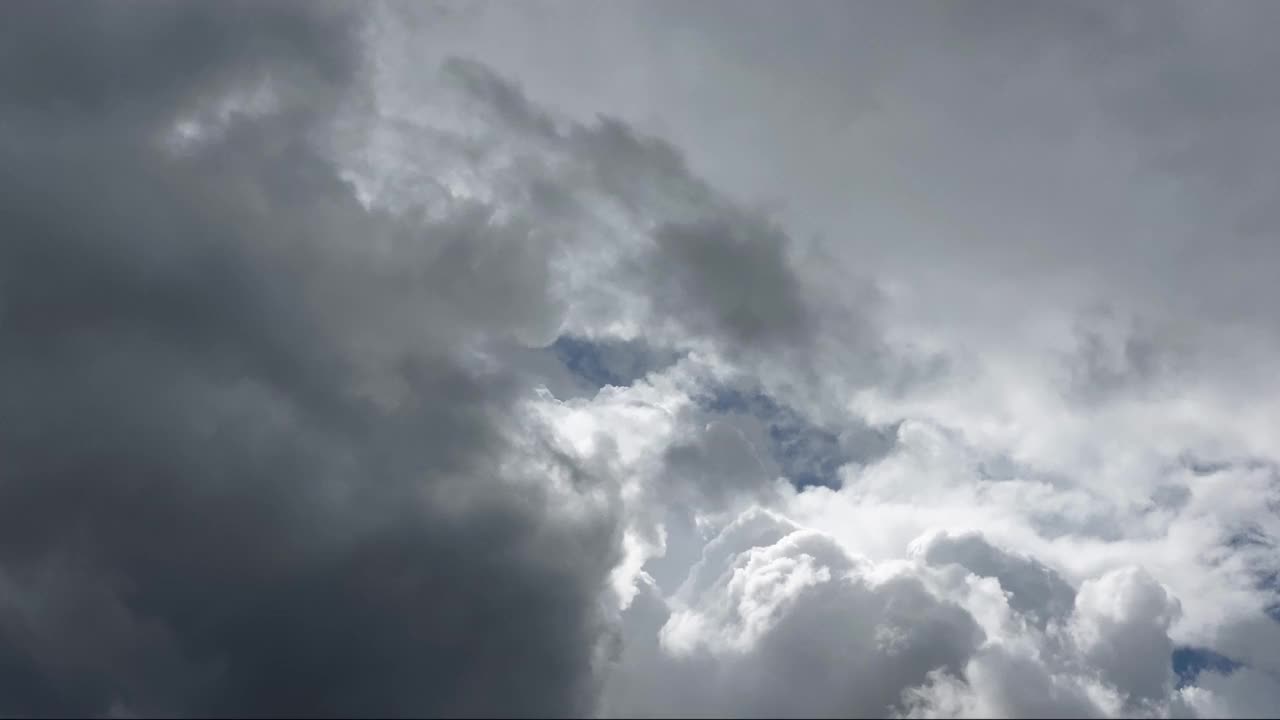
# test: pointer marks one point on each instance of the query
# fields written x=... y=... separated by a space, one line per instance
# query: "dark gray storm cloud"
x=206 y=507
x=739 y=274
x=714 y=268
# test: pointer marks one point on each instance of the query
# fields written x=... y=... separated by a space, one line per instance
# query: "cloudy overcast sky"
x=639 y=359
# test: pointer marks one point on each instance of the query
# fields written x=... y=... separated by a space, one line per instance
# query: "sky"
x=640 y=359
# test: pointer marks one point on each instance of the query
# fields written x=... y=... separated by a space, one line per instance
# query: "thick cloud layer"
x=229 y=415
x=859 y=360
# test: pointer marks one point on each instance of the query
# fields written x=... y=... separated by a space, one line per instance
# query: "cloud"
x=1033 y=589
x=1121 y=624
x=778 y=620
x=394 y=360
x=250 y=469
x=741 y=279
x=775 y=620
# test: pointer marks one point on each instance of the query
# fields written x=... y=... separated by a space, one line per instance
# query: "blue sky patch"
x=1269 y=581
x=610 y=362
x=808 y=454
x=1273 y=611
x=1189 y=662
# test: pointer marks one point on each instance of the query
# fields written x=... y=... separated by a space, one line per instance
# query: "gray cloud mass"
x=202 y=510
x=638 y=359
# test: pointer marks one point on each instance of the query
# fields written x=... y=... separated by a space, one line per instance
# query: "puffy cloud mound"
x=775 y=619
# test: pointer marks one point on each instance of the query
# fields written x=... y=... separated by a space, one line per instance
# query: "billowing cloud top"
x=632 y=359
